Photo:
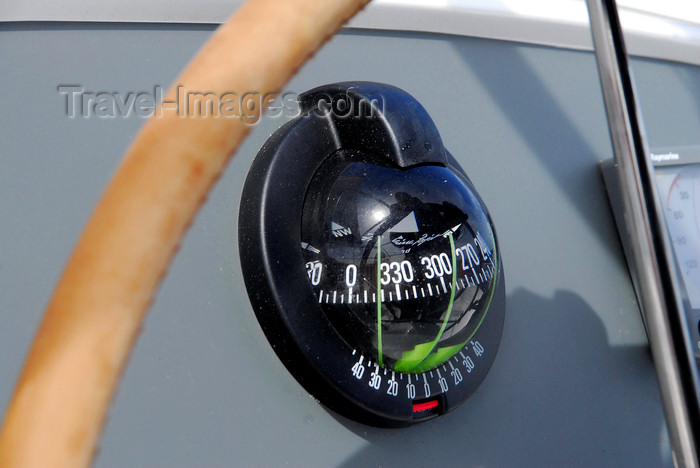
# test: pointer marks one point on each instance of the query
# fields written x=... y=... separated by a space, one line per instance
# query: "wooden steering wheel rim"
x=60 y=401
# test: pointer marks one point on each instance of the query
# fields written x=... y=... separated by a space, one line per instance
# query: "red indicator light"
x=425 y=406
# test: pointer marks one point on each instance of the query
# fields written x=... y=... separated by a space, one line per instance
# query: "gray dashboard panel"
x=573 y=383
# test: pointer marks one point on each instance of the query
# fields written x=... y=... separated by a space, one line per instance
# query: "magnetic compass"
x=370 y=260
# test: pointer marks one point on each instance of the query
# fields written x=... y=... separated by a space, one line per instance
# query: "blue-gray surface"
x=573 y=383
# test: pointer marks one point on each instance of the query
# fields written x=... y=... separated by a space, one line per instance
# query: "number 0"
x=351 y=275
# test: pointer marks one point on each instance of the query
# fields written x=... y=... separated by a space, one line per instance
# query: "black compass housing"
x=385 y=324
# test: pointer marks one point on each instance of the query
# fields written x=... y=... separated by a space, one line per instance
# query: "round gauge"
x=682 y=206
x=402 y=262
x=370 y=260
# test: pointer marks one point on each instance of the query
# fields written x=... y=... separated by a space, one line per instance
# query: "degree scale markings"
x=471 y=277
x=427 y=387
x=434 y=289
x=431 y=381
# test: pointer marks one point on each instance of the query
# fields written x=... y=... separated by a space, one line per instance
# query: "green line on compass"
x=380 y=357
x=411 y=361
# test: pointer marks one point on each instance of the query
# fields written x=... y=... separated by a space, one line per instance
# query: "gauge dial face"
x=682 y=208
x=402 y=261
x=370 y=260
